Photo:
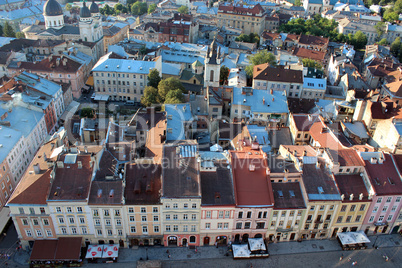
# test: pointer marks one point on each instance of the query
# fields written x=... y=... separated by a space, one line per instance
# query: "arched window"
x=211 y=76
x=59 y=22
x=86 y=39
x=192 y=239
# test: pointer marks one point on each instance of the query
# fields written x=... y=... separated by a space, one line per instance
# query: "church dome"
x=84 y=11
x=94 y=7
x=52 y=8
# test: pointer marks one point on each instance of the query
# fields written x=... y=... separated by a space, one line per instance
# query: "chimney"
x=36 y=168
x=111 y=193
x=317 y=165
x=86 y=149
x=304 y=153
x=343 y=197
x=380 y=160
x=294 y=152
x=263 y=101
x=351 y=197
x=79 y=164
x=60 y=164
x=271 y=91
x=361 y=196
x=251 y=167
x=373 y=160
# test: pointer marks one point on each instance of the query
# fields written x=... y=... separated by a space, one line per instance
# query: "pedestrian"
x=167 y=251
x=4 y=234
x=341 y=258
x=216 y=244
x=349 y=259
x=169 y=256
x=196 y=250
x=354 y=263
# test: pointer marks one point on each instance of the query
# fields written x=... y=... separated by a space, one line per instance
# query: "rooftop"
x=181 y=178
x=352 y=184
x=143 y=184
x=277 y=74
x=123 y=66
x=345 y=157
x=106 y=193
x=252 y=184
x=288 y=195
x=304 y=122
x=177 y=115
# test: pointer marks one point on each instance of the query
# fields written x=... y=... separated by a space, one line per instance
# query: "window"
x=79 y=209
x=167 y=216
x=260 y=225
x=42 y=210
x=238 y=225
x=193 y=229
x=28 y=232
x=118 y=222
x=322 y=207
x=389 y=199
x=283 y=213
x=175 y=205
x=185 y=216
x=312 y=208
x=352 y=207
x=194 y=217
x=375 y=209
x=97 y=221
x=362 y=207
x=99 y=232
x=265 y=215
x=156 y=229
x=393 y=209
x=156 y=218
x=309 y=217
x=74 y=230
x=194 y=205
x=227 y=214
x=32 y=210
x=143 y=210
x=71 y=220
x=61 y=220
x=109 y=232
x=175 y=228
x=331 y=207
x=106 y=212
x=299 y=213
x=69 y=209
x=379 y=200
x=24 y=222
x=132 y=218
x=225 y=225
x=107 y=222
x=292 y=213
x=384 y=209
x=175 y=216
x=155 y=210
x=219 y=225
x=247 y=225
x=21 y=210
x=273 y=223
x=248 y=214
x=143 y=218
x=117 y=212
x=343 y=208
x=339 y=219
x=185 y=205
x=96 y=214
x=132 y=229
x=306 y=226
x=49 y=232
x=145 y=229
x=167 y=206
x=389 y=217
x=240 y=215
x=398 y=199
x=358 y=218
x=381 y=218
x=371 y=219
x=348 y=218
x=207 y=225
x=64 y=230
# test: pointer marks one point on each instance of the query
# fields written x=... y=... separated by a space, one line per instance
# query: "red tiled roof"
x=313 y=40
x=50 y=65
x=265 y=72
x=252 y=188
x=324 y=136
x=351 y=184
x=308 y=53
x=270 y=36
x=346 y=157
x=381 y=175
x=240 y=10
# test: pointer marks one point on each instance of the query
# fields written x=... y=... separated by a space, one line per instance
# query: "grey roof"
x=217 y=186
x=84 y=11
x=94 y=7
x=52 y=8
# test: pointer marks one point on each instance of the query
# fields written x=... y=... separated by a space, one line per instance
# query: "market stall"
x=94 y=252
x=111 y=251
x=353 y=240
x=241 y=251
x=258 y=248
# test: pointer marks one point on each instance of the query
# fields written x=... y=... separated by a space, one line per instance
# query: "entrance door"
x=278 y=237
x=111 y=242
x=395 y=230
x=312 y=235
x=121 y=243
x=292 y=236
x=237 y=238
x=206 y=241
x=375 y=229
x=172 y=241
x=184 y=242
x=245 y=238
x=367 y=230
x=384 y=230
x=335 y=232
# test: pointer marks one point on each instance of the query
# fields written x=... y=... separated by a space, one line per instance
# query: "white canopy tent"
x=110 y=251
x=351 y=238
x=240 y=251
x=94 y=251
x=256 y=244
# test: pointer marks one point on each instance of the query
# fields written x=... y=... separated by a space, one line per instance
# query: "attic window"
x=391 y=181
x=280 y=193
x=111 y=193
x=292 y=194
x=217 y=195
x=99 y=193
x=251 y=167
x=320 y=190
x=377 y=181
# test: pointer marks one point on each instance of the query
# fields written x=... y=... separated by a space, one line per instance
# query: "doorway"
x=221 y=240
x=172 y=241
x=334 y=232
x=367 y=230
x=312 y=235
x=245 y=238
x=278 y=237
x=292 y=236
x=384 y=230
x=206 y=241
x=184 y=242
x=258 y=236
x=121 y=243
x=237 y=239
x=111 y=242
x=375 y=229
x=395 y=230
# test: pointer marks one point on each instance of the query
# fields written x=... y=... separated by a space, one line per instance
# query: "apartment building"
x=217 y=204
x=253 y=194
x=181 y=195
x=383 y=180
x=121 y=79
x=249 y=19
x=299 y=125
x=143 y=208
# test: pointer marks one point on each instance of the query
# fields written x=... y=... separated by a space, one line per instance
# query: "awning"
x=350 y=238
x=256 y=244
x=110 y=251
x=4 y=217
x=241 y=251
x=90 y=81
x=101 y=97
x=70 y=110
x=94 y=251
x=62 y=249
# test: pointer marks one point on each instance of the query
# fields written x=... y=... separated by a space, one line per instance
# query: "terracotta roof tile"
x=345 y=157
x=302 y=52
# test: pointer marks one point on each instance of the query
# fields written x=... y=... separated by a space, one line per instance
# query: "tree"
x=398 y=7
x=380 y=28
x=151 y=8
x=8 y=30
x=391 y=16
x=106 y=10
x=396 y=46
x=154 y=78
x=183 y=10
x=20 y=35
x=150 y=96
x=167 y=85
x=298 y=3
x=223 y=75
x=359 y=40
x=87 y=112
x=1 y=30
x=383 y=42
x=143 y=50
x=118 y=8
x=260 y=58
x=311 y=63
x=174 y=96
x=139 y=8
x=69 y=7
x=243 y=38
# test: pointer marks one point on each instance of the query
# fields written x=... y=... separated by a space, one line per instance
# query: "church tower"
x=97 y=21
x=213 y=61
x=87 y=32
x=53 y=14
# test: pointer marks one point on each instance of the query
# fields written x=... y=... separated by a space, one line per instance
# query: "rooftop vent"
x=36 y=168
x=137 y=187
x=217 y=195
x=351 y=197
x=373 y=160
x=376 y=181
x=106 y=66
x=251 y=167
x=118 y=66
x=60 y=164
x=361 y=196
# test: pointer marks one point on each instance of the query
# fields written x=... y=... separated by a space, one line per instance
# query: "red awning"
x=62 y=249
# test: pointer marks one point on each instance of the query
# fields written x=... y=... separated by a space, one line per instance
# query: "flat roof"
x=252 y=186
